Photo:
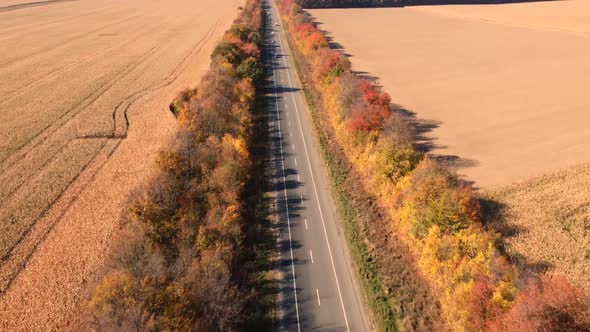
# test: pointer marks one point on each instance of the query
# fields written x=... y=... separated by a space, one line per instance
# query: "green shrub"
x=396 y=160
x=250 y=68
x=230 y=52
x=245 y=33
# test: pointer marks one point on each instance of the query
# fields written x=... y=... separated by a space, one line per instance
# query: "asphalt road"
x=317 y=289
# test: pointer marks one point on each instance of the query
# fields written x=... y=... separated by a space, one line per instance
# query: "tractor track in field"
x=169 y=79
x=42 y=26
x=64 y=69
x=113 y=81
x=165 y=82
x=67 y=116
x=22 y=151
x=5 y=283
x=32 y=4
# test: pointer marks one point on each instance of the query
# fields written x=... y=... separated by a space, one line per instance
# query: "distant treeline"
x=350 y=3
x=394 y=3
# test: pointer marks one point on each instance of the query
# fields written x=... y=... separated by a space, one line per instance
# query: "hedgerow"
x=178 y=266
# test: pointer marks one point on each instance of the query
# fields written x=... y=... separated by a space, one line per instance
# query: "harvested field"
x=546 y=223
x=83 y=109
x=502 y=89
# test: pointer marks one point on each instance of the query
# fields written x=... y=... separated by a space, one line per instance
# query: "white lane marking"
x=314 y=186
x=319 y=302
x=298 y=179
x=289 y=123
x=302 y=199
x=305 y=224
x=311 y=255
x=295 y=161
x=293 y=146
x=285 y=193
x=291 y=134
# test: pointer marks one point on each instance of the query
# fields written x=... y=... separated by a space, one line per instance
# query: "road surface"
x=317 y=289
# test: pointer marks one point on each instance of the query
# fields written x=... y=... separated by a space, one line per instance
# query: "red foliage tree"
x=478 y=301
x=329 y=64
x=370 y=94
x=360 y=119
x=250 y=50
x=304 y=29
x=315 y=41
x=371 y=113
x=553 y=304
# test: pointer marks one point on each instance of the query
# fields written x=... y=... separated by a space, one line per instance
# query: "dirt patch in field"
x=546 y=222
x=83 y=109
x=503 y=87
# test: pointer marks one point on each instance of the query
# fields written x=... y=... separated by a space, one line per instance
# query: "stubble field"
x=501 y=94
x=546 y=222
x=83 y=109
x=503 y=87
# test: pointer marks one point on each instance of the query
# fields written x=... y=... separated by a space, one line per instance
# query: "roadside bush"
x=247 y=33
x=181 y=101
x=549 y=304
x=229 y=52
x=328 y=65
x=250 y=68
x=436 y=197
x=396 y=158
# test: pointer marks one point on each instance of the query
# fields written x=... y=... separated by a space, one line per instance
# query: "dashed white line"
x=311 y=255
x=318 y=293
x=314 y=188
x=298 y=178
x=305 y=224
x=295 y=161
x=293 y=146
x=285 y=194
x=302 y=199
x=289 y=123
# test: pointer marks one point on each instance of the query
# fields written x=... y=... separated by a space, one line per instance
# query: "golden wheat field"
x=502 y=88
x=546 y=222
x=84 y=94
